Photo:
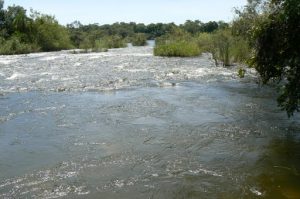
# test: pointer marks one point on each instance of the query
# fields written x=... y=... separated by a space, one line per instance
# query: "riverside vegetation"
x=263 y=35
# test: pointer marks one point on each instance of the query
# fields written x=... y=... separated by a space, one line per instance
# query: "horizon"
x=99 y=12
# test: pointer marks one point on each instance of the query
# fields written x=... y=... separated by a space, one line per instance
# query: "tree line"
x=23 y=32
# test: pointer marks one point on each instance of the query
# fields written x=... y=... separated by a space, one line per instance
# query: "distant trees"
x=139 y=39
x=197 y=26
x=79 y=32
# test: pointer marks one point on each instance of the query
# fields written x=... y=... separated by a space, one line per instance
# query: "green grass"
x=110 y=42
x=177 y=49
x=139 y=39
x=102 y=44
x=15 y=46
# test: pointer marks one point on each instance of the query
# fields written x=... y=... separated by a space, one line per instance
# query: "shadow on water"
x=280 y=168
x=275 y=175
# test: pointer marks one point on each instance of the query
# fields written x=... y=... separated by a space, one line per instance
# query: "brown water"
x=125 y=124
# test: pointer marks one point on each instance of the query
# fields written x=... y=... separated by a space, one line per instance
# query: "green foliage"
x=139 y=39
x=224 y=46
x=15 y=46
x=241 y=72
x=178 y=43
x=192 y=27
x=195 y=27
x=271 y=28
x=50 y=35
x=248 y=20
x=210 y=27
x=205 y=42
x=110 y=42
x=222 y=41
x=24 y=34
x=79 y=32
x=241 y=52
x=178 y=49
x=277 y=51
x=15 y=21
x=2 y=12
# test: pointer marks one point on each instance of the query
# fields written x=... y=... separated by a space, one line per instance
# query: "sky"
x=140 y=11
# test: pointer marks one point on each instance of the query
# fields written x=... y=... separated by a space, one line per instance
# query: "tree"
x=277 y=51
x=210 y=26
x=49 y=34
x=249 y=18
x=15 y=19
x=192 y=27
x=1 y=14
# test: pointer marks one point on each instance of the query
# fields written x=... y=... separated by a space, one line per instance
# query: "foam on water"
x=16 y=76
x=102 y=71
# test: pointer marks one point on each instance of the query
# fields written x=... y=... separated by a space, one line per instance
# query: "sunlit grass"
x=177 y=49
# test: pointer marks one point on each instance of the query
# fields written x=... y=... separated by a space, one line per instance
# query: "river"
x=126 y=124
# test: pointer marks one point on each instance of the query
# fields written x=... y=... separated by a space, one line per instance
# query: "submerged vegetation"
x=263 y=35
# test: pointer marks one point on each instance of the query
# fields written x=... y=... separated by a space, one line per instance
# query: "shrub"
x=177 y=49
x=14 y=46
x=205 y=42
x=222 y=41
x=108 y=42
x=240 y=50
x=177 y=43
x=225 y=47
x=50 y=35
x=139 y=39
x=86 y=44
x=241 y=72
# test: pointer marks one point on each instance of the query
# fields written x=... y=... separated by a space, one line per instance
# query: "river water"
x=125 y=124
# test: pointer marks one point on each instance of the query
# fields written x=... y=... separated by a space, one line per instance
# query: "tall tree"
x=1 y=14
x=277 y=51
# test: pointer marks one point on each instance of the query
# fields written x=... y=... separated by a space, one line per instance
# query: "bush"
x=108 y=42
x=50 y=35
x=86 y=44
x=222 y=41
x=177 y=49
x=205 y=42
x=224 y=46
x=14 y=46
x=139 y=39
x=177 y=43
x=240 y=50
x=241 y=72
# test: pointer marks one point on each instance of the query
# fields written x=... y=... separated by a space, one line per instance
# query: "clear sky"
x=150 y=11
